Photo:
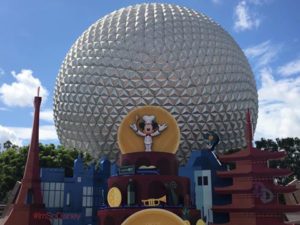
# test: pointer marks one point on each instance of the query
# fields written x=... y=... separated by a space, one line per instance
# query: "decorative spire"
x=29 y=203
x=32 y=168
x=249 y=132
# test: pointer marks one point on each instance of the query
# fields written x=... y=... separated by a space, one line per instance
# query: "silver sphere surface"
x=154 y=54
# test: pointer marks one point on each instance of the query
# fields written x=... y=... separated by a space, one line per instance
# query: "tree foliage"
x=13 y=159
x=291 y=161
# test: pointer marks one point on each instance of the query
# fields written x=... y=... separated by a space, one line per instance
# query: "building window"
x=199 y=181
x=68 y=199
x=56 y=221
x=88 y=212
x=29 y=197
x=53 y=194
x=87 y=196
x=202 y=180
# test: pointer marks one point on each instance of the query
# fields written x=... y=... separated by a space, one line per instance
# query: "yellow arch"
x=153 y=216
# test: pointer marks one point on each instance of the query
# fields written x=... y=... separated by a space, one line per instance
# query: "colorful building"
x=201 y=170
x=255 y=195
x=293 y=198
x=148 y=187
x=75 y=200
x=28 y=204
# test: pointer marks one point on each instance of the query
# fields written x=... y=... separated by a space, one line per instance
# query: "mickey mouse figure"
x=149 y=128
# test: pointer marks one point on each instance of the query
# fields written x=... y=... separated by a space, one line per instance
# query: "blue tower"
x=201 y=169
x=75 y=200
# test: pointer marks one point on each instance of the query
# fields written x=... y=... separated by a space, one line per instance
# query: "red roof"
x=262 y=208
x=252 y=153
x=255 y=172
x=247 y=189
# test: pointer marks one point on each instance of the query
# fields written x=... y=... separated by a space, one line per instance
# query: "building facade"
x=75 y=200
x=201 y=170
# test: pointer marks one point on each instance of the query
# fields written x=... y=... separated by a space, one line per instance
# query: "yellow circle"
x=114 y=197
x=153 y=216
x=200 y=222
x=167 y=141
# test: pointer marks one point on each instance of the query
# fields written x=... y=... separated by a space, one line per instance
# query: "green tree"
x=291 y=161
x=7 y=144
x=11 y=169
x=13 y=159
x=266 y=144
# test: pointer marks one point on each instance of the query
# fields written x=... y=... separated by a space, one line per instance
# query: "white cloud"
x=290 y=68
x=21 y=135
x=263 y=53
x=46 y=115
x=244 y=19
x=21 y=92
x=7 y=134
x=216 y=1
x=46 y=132
x=279 y=113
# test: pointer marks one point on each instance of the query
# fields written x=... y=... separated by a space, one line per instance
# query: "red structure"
x=29 y=203
x=149 y=186
x=255 y=196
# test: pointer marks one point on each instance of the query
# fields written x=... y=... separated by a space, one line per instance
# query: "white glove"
x=133 y=127
x=162 y=127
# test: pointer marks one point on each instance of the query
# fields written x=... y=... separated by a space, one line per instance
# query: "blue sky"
x=36 y=35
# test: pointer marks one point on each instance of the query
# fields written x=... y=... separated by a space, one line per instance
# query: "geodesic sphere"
x=154 y=54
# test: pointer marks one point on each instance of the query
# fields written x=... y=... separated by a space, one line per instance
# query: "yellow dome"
x=153 y=216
